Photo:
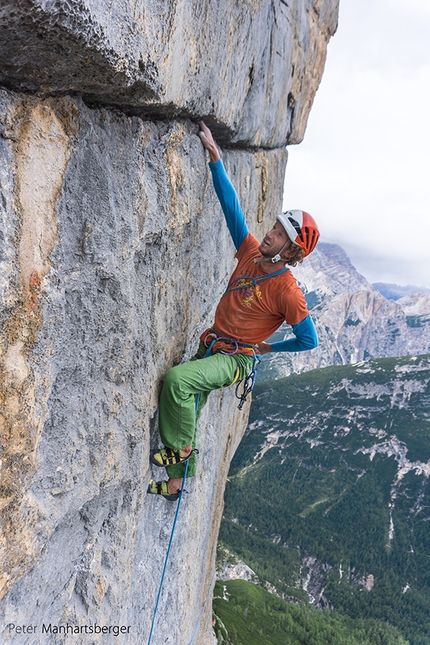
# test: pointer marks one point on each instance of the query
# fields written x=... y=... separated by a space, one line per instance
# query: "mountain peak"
x=329 y=271
x=335 y=252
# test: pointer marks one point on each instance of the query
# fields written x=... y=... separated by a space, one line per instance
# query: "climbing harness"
x=216 y=344
x=225 y=345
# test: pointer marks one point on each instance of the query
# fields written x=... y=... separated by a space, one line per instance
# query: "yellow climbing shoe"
x=162 y=488
x=168 y=457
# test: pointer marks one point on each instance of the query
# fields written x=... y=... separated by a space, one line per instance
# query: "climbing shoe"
x=162 y=488
x=168 y=457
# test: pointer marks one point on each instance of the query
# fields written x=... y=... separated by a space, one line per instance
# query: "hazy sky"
x=363 y=168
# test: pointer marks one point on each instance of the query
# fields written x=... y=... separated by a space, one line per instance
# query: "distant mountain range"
x=395 y=291
x=355 y=319
x=328 y=498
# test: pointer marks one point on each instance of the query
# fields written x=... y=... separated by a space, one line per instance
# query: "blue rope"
x=168 y=553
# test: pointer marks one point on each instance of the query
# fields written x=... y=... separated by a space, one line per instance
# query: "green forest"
x=328 y=499
x=246 y=614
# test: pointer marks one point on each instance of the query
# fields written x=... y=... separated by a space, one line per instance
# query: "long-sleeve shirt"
x=256 y=303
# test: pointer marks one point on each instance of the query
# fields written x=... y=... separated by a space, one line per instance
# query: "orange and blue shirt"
x=255 y=303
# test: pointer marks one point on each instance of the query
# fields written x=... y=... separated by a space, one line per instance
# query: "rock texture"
x=416 y=304
x=253 y=66
x=113 y=255
x=354 y=320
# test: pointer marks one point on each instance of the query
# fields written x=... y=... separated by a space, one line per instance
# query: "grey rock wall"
x=253 y=66
x=113 y=255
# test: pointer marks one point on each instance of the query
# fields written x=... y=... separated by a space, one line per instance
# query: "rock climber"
x=261 y=295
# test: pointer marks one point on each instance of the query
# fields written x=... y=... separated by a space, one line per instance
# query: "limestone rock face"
x=113 y=255
x=253 y=66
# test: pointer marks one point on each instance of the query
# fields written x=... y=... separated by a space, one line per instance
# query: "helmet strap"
x=276 y=258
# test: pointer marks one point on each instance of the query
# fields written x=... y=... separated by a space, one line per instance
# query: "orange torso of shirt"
x=253 y=313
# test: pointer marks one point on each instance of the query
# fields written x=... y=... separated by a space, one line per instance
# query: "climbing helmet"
x=301 y=229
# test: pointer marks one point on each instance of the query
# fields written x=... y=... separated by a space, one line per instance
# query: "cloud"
x=362 y=170
x=415 y=8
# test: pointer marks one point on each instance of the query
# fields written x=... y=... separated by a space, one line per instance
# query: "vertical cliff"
x=113 y=256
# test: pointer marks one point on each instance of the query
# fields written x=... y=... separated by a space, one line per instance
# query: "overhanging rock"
x=253 y=66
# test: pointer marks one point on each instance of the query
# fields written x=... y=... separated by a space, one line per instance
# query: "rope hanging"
x=168 y=553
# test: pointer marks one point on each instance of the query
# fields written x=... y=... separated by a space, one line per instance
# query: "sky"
x=362 y=169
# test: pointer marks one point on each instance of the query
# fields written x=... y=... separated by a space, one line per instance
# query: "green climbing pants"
x=186 y=388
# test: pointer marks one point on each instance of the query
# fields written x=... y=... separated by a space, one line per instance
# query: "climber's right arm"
x=224 y=189
x=229 y=203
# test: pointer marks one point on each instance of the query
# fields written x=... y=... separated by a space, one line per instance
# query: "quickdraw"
x=248 y=383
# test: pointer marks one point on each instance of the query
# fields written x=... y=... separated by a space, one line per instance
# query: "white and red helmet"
x=301 y=229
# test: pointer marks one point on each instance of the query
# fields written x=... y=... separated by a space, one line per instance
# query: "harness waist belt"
x=225 y=345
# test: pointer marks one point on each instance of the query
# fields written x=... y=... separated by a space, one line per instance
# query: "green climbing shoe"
x=168 y=457
x=162 y=488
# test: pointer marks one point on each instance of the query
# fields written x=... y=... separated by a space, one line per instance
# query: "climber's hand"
x=264 y=348
x=208 y=142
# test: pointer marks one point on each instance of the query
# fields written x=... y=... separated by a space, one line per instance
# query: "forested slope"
x=328 y=496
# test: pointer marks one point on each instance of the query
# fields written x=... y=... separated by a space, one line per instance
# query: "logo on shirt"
x=248 y=290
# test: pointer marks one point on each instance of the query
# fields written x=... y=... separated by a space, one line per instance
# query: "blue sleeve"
x=306 y=338
x=229 y=203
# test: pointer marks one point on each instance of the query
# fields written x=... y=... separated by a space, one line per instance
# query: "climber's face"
x=274 y=241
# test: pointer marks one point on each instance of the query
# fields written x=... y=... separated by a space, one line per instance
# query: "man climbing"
x=261 y=295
